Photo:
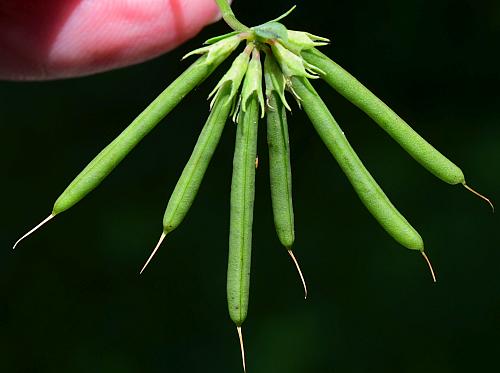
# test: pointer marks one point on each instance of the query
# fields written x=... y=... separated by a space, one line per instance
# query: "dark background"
x=71 y=296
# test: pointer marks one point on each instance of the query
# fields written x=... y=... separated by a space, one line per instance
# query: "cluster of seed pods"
x=291 y=59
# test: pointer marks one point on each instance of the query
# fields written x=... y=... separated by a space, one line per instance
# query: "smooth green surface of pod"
x=365 y=186
x=242 y=202
x=280 y=170
x=189 y=183
x=115 y=152
x=386 y=118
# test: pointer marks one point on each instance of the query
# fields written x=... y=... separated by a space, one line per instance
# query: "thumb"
x=42 y=39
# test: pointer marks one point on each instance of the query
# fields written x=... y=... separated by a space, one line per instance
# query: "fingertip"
x=94 y=36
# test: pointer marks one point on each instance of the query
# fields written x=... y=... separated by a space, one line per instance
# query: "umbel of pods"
x=291 y=60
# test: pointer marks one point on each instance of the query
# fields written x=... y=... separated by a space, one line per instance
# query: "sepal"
x=275 y=80
x=292 y=64
x=253 y=83
x=218 y=51
x=299 y=41
x=234 y=76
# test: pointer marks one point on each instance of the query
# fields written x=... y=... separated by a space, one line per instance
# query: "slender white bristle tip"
x=300 y=272
x=242 y=347
x=430 y=266
x=162 y=237
x=480 y=196
x=33 y=230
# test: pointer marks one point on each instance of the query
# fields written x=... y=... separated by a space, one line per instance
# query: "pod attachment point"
x=429 y=265
x=242 y=347
x=300 y=272
x=162 y=237
x=33 y=230
x=479 y=195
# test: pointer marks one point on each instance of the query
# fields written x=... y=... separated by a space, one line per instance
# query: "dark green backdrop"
x=71 y=296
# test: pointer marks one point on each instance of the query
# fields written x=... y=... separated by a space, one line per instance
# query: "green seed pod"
x=189 y=183
x=187 y=187
x=280 y=171
x=349 y=87
x=242 y=202
x=115 y=152
x=365 y=186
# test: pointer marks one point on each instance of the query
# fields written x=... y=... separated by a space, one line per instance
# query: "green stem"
x=229 y=17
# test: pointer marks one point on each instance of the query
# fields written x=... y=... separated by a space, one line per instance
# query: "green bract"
x=253 y=84
x=275 y=80
x=271 y=30
x=299 y=41
x=220 y=49
x=291 y=60
x=233 y=77
x=293 y=64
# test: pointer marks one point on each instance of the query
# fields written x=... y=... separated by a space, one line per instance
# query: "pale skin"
x=43 y=40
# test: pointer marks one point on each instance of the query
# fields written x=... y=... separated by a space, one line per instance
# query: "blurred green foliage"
x=71 y=296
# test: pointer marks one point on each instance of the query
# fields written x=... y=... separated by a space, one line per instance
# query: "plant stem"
x=229 y=17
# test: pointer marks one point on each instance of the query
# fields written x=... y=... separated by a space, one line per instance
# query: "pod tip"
x=430 y=266
x=480 y=196
x=162 y=237
x=33 y=230
x=300 y=272
x=242 y=348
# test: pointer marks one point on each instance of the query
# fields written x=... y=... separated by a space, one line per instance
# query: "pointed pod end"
x=242 y=348
x=162 y=237
x=50 y=217
x=290 y=252
x=430 y=266
x=480 y=196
